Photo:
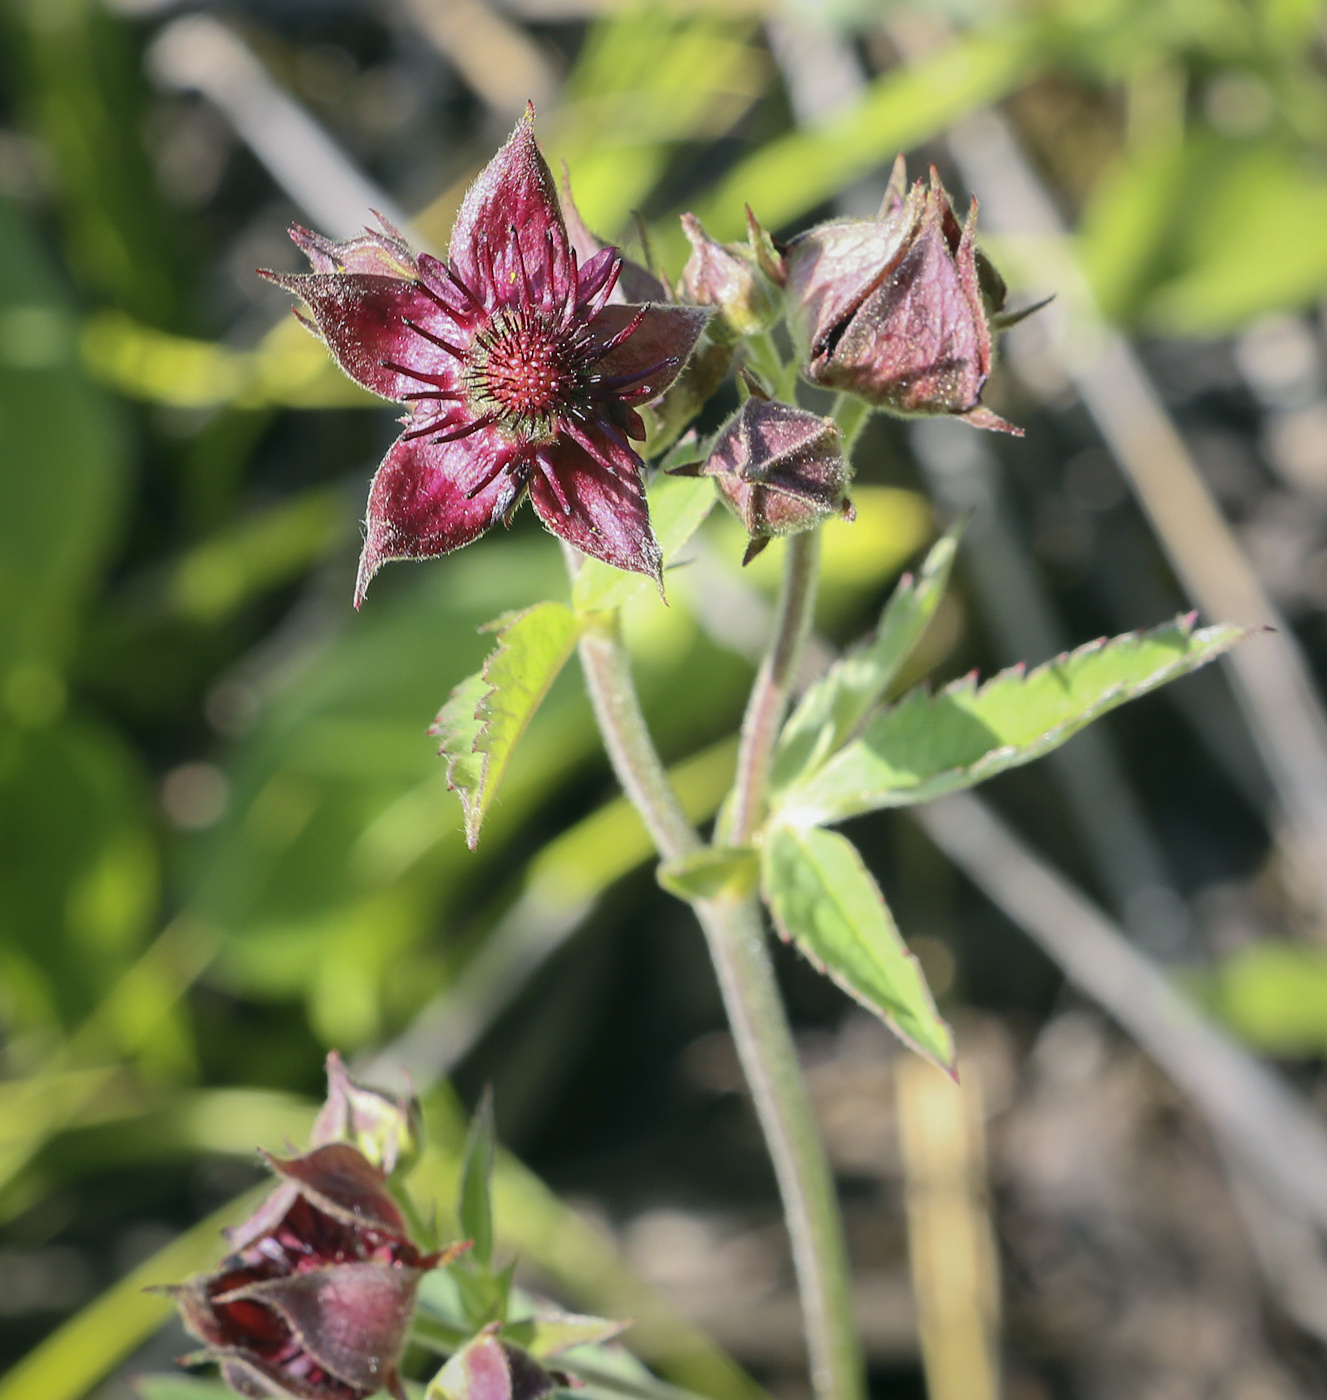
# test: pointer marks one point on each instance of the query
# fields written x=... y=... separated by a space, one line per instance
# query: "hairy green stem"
x=735 y=934
x=737 y=941
x=631 y=751
x=852 y=415
x=769 y=696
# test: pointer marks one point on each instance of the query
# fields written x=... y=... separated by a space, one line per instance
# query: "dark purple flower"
x=899 y=310
x=314 y=1300
x=520 y=375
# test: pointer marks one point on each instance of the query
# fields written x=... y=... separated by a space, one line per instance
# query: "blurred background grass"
x=226 y=843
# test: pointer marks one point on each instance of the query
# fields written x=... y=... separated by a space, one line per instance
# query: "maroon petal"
x=417 y=504
x=350 y=1318
x=509 y=233
x=834 y=267
x=605 y=514
x=264 y=1220
x=197 y=1313
x=598 y=280
x=250 y=1375
x=657 y=349
x=365 y=321
x=340 y=1181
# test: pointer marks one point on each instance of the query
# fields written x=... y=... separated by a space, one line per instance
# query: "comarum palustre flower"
x=314 y=1298
x=520 y=376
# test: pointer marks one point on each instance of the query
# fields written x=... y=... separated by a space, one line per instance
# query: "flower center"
x=525 y=371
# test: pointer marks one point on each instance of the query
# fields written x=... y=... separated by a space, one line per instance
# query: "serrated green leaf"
x=825 y=901
x=488 y=712
x=713 y=872
x=834 y=708
x=548 y=1333
x=678 y=504
x=475 y=1208
x=927 y=745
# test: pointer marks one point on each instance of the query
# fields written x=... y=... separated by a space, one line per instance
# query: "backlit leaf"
x=488 y=712
x=825 y=901
x=928 y=744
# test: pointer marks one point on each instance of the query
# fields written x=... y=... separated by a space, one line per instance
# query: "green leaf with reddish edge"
x=928 y=745
x=678 y=504
x=549 y=1333
x=713 y=872
x=835 y=707
x=488 y=712
x=825 y=901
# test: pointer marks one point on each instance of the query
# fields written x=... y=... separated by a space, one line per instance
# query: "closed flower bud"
x=385 y=1129
x=487 y=1369
x=780 y=469
x=899 y=310
x=729 y=276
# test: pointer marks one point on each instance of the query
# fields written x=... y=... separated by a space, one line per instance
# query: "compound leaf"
x=927 y=745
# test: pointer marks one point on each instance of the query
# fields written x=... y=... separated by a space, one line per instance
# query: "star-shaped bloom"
x=520 y=374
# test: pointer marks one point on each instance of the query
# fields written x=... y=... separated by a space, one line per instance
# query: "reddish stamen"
x=626 y=332
x=436 y=339
x=551 y=477
x=489 y=477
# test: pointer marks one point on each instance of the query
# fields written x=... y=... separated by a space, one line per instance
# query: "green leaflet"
x=548 y=1333
x=678 y=504
x=824 y=900
x=833 y=708
x=487 y=713
x=713 y=872
x=928 y=744
x=475 y=1208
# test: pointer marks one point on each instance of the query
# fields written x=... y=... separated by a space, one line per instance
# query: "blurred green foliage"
x=198 y=735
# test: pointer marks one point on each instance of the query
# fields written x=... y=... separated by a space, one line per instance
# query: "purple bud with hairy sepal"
x=899 y=309
x=314 y=1299
x=780 y=469
x=729 y=277
x=488 y=1369
x=386 y=1129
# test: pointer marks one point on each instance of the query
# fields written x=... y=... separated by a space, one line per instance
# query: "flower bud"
x=780 y=469
x=385 y=1129
x=898 y=309
x=487 y=1369
x=729 y=276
